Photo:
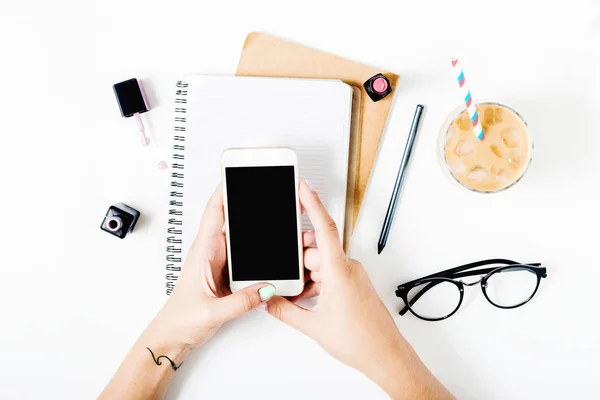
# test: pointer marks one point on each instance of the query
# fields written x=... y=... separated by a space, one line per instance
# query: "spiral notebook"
x=314 y=117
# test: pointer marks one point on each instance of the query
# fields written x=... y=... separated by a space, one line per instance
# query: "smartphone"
x=262 y=219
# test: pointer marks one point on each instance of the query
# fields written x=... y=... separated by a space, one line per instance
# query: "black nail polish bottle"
x=120 y=220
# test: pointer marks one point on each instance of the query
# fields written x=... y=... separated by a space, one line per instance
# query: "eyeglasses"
x=507 y=284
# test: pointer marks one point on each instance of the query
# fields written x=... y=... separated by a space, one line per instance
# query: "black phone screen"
x=263 y=229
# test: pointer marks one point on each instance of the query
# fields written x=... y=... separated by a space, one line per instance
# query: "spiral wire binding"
x=175 y=221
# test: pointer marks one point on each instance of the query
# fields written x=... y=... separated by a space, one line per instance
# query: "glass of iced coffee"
x=490 y=165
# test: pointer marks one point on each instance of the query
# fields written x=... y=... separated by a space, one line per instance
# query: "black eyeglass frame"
x=460 y=272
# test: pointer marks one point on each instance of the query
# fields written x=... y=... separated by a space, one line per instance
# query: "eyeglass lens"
x=511 y=287
x=439 y=299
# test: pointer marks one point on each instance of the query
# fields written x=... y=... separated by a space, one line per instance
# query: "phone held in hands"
x=262 y=218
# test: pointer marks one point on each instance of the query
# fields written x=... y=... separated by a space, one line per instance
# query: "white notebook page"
x=311 y=116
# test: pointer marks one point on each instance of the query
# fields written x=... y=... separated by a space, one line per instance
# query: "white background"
x=73 y=299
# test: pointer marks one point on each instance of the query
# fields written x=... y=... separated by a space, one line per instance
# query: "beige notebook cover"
x=265 y=55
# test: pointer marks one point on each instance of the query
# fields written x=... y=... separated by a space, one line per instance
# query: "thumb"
x=247 y=299
x=290 y=313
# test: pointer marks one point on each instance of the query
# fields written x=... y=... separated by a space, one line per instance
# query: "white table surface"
x=73 y=299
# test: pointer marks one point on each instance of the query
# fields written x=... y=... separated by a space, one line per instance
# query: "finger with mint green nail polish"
x=247 y=299
x=266 y=292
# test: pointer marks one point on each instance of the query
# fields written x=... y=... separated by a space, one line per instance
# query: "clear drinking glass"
x=494 y=164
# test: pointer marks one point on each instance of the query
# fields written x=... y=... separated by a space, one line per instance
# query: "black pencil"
x=389 y=215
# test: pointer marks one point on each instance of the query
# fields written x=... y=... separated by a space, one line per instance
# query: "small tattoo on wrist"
x=158 y=362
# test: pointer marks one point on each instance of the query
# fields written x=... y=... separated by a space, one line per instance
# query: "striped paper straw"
x=477 y=128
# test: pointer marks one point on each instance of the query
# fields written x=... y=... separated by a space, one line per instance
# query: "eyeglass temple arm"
x=473 y=273
x=456 y=275
x=450 y=272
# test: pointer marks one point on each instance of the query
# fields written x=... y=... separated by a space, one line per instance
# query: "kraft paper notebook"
x=314 y=117
x=265 y=55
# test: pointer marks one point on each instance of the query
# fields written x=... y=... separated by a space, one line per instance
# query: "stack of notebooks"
x=285 y=95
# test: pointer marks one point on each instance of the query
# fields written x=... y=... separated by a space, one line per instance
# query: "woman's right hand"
x=350 y=321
